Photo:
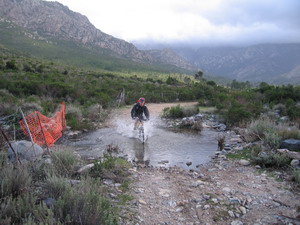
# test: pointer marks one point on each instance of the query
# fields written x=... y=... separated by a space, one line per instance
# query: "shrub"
x=56 y=186
x=64 y=162
x=14 y=180
x=237 y=114
x=288 y=132
x=111 y=167
x=25 y=210
x=273 y=160
x=85 y=204
x=190 y=111
x=11 y=65
x=296 y=176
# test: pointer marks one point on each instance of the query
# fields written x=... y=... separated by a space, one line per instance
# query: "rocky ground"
x=222 y=192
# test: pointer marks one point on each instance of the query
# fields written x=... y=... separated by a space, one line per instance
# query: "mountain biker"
x=138 y=111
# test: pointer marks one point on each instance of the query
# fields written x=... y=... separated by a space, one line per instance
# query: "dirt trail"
x=223 y=192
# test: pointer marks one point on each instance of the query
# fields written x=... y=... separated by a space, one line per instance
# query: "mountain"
x=272 y=63
x=53 y=21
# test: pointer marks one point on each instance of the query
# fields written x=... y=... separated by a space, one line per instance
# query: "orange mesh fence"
x=44 y=130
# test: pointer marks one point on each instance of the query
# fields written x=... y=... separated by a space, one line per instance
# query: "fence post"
x=43 y=132
x=6 y=139
x=28 y=130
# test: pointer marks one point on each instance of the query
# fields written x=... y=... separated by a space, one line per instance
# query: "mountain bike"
x=139 y=126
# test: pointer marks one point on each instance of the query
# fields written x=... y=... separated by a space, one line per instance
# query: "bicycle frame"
x=139 y=125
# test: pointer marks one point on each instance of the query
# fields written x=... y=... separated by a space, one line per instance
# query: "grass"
x=243 y=154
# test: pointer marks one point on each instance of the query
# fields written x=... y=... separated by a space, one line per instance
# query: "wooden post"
x=28 y=130
x=6 y=139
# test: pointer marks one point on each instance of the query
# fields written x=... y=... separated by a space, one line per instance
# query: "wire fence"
x=35 y=127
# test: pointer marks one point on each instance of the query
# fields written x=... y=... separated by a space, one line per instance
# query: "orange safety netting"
x=44 y=130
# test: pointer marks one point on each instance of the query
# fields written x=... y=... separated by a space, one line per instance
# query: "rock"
x=237 y=140
x=189 y=163
x=25 y=150
x=295 y=163
x=206 y=207
x=220 y=127
x=74 y=182
x=226 y=189
x=198 y=117
x=244 y=162
x=141 y=201
x=49 y=202
x=235 y=201
x=163 y=162
x=236 y=222
x=243 y=210
x=231 y=214
x=291 y=144
x=85 y=168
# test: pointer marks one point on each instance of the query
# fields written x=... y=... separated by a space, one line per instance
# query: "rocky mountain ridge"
x=52 y=19
x=272 y=63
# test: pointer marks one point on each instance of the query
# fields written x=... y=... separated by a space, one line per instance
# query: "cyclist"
x=138 y=111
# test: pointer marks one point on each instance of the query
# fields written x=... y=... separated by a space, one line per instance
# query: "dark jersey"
x=138 y=111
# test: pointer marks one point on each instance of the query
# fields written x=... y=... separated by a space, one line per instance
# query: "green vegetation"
x=179 y=111
x=42 y=192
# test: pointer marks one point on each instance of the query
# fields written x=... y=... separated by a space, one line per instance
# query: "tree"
x=199 y=75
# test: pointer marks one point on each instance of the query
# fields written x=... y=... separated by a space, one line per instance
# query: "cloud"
x=205 y=21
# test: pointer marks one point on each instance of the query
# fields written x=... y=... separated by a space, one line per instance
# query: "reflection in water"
x=162 y=147
x=140 y=152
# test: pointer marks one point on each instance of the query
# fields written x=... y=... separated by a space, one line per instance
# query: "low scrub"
x=175 y=112
x=64 y=162
x=42 y=192
x=269 y=132
x=271 y=160
x=111 y=168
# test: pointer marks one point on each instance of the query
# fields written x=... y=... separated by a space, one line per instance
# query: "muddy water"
x=162 y=147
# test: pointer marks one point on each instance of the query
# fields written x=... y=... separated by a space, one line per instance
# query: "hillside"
x=73 y=34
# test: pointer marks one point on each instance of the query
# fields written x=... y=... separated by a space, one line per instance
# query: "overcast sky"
x=201 y=21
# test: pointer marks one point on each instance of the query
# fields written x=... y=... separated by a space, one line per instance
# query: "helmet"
x=141 y=101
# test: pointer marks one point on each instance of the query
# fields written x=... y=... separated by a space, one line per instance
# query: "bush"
x=85 y=204
x=173 y=112
x=14 y=180
x=190 y=111
x=271 y=160
x=64 y=162
x=110 y=167
x=296 y=175
x=237 y=114
x=56 y=186
x=25 y=210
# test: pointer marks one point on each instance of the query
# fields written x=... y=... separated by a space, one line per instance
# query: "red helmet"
x=142 y=101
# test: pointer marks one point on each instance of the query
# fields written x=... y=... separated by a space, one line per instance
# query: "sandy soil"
x=222 y=192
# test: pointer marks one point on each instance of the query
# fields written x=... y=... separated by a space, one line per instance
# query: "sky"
x=202 y=22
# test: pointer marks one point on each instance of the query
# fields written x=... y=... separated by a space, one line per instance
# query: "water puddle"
x=162 y=147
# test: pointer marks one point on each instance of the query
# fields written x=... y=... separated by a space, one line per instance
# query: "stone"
x=243 y=210
x=25 y=151
x=189 y=163
x=141 y=201
x=236 y=222
x=49 y=202
x=295 y=163
x=85 y=168
x=291 y=144
x=244 y=162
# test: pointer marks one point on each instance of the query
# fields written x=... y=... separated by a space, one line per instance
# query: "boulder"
x=25 y=150
x=291 y=144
